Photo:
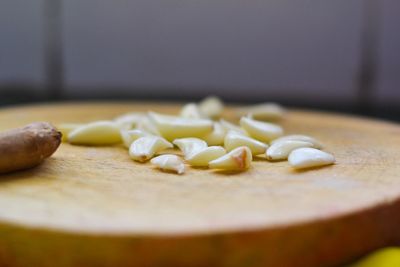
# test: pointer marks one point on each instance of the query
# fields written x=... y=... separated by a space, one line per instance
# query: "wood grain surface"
x=94 y=206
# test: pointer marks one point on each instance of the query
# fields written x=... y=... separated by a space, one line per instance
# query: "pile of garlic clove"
x=203 y=138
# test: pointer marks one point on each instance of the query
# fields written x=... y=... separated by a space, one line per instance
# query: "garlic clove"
x=169 y=162
x=299 y=137
x=228 y=126
x=129 y=121
x=147 y=125
x=262 y=131
x=263 y=112
x=191 y=111
x=203 y=157
x=96 y=133
x=281 y=150
x=216 y=137
x=128 y=136
x=234 y=139
x=309 y=157
x=173 y=127
x=238 y=159
x=211 y=107
x=190 y=145
x=146 y=147
x=66 y=128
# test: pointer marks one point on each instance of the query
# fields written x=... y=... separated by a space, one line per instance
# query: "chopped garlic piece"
x=172 y=127
x=191 y=111
x=96 y=133
x=128 y=136
x=309 y=157
x=281 y=150
x=262 y=131
x=264 y=112
x=229 y=126
x=234 y=139
x=216 y=137
x=146 y=147
x=190 y=145
x=203 y=157
x=66 y=128
x=211 y=107
x=299 y=137
x=129 y=120
x=169 y=162
x=238 y=159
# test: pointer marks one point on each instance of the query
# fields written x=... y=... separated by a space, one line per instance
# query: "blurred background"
x=332 y=55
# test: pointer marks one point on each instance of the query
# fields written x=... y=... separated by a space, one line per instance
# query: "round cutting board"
x=94 y=206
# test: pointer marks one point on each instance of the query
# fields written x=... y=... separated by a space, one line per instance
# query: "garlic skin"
x=211 y=107
x=262 y=131
x=238 y=159
x=169 y=162
x=299 y=137
x=98 y=133
x=191 y=111
x=129 y=136
x=234 y=139
x=264 y=112
x=173 y=127
x=309 y=157
x=146 y=147
x=190 y=145
x=203 y=157
x=217 y=136
x=281 y=150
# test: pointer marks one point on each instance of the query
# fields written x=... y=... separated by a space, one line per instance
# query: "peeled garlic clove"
x=128 y=136
x=234 y=140
x=66 y=128
x=216 y=137
x=309 y=157
x=172 y=127
x=169 y=162
x=190 y=145
x=211 y=107
x=299 y=137
x=191 y=110
x=238 y=159
x=228 y=126
x=96 y=133
x=264 y=112
x=203 y=157
x=146 y=124
x=262 y=131
x=129 y=120
x=281 y=150
x=146 y=147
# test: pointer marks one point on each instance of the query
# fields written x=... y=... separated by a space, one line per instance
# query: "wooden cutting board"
x=93 y=206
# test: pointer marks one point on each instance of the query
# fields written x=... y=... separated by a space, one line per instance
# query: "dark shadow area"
x=27 y=174
x=21 y=94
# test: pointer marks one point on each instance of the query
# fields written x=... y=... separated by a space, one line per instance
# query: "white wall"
x=389 y=64
x=263 y=49
x=309 y=48
x=21 y=42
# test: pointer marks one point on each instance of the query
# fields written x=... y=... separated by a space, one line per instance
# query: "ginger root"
x=27 y=147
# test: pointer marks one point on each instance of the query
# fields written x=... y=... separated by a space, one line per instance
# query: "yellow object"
x=387 y=257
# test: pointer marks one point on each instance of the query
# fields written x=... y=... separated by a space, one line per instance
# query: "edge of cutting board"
x=326 y=241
